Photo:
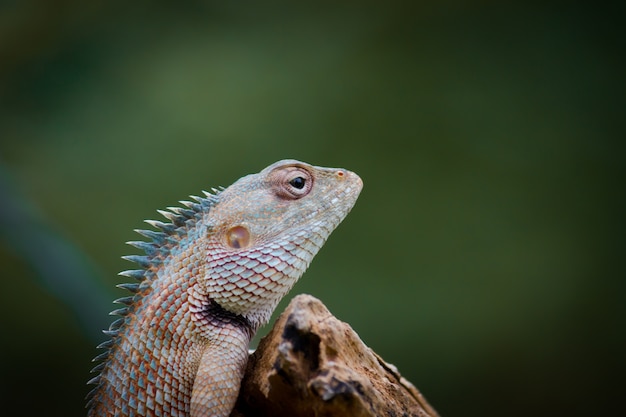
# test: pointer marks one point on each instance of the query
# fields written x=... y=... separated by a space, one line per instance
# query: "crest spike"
x=186 y=212
x=148 y=247
x=157 y=237
x=143 y=261
x=138 y=274
x=98 y=368
x=125 y=300
x=172 y=216
x=132 y=287
x=168 y=228
x=101 y=357
x=94 y=381
x=119 y=312
x=107 y=344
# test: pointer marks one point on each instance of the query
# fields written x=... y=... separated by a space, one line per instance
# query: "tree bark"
x=312 y=364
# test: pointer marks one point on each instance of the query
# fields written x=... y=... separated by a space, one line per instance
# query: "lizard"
x=210 y=277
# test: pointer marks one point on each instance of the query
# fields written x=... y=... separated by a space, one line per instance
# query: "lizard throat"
x=212 y=315
x=251 y=282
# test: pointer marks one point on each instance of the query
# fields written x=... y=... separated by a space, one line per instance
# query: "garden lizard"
x=210 y=277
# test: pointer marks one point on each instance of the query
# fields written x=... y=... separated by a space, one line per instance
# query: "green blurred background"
x=485 y=257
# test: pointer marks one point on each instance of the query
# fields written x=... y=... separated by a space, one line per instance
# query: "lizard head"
x=266 y=228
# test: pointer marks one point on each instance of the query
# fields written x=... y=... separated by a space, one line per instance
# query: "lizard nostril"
x=238 y=237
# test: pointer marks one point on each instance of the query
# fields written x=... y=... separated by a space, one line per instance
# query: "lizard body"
x=209 y=279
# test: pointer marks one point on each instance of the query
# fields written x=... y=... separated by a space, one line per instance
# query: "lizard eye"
x=291 y=182
x=298 y=182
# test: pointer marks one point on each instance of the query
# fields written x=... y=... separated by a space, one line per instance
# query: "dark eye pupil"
x=298 y=182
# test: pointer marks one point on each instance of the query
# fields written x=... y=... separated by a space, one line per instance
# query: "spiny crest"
x=156 y=249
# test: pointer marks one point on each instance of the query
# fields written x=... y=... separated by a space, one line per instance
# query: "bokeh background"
x=485 y=257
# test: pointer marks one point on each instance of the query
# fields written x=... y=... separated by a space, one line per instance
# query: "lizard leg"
x=220 y=371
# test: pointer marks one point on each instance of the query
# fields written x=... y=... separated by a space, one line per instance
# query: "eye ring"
x=291 y=182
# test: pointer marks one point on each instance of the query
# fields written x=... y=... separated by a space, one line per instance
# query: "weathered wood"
x=312 y=364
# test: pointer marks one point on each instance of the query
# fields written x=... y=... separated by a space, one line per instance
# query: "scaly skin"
x=209 y=280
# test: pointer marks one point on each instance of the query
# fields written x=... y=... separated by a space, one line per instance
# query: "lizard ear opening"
x=238 y=237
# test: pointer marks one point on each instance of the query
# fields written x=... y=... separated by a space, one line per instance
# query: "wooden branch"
x=312 y=364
